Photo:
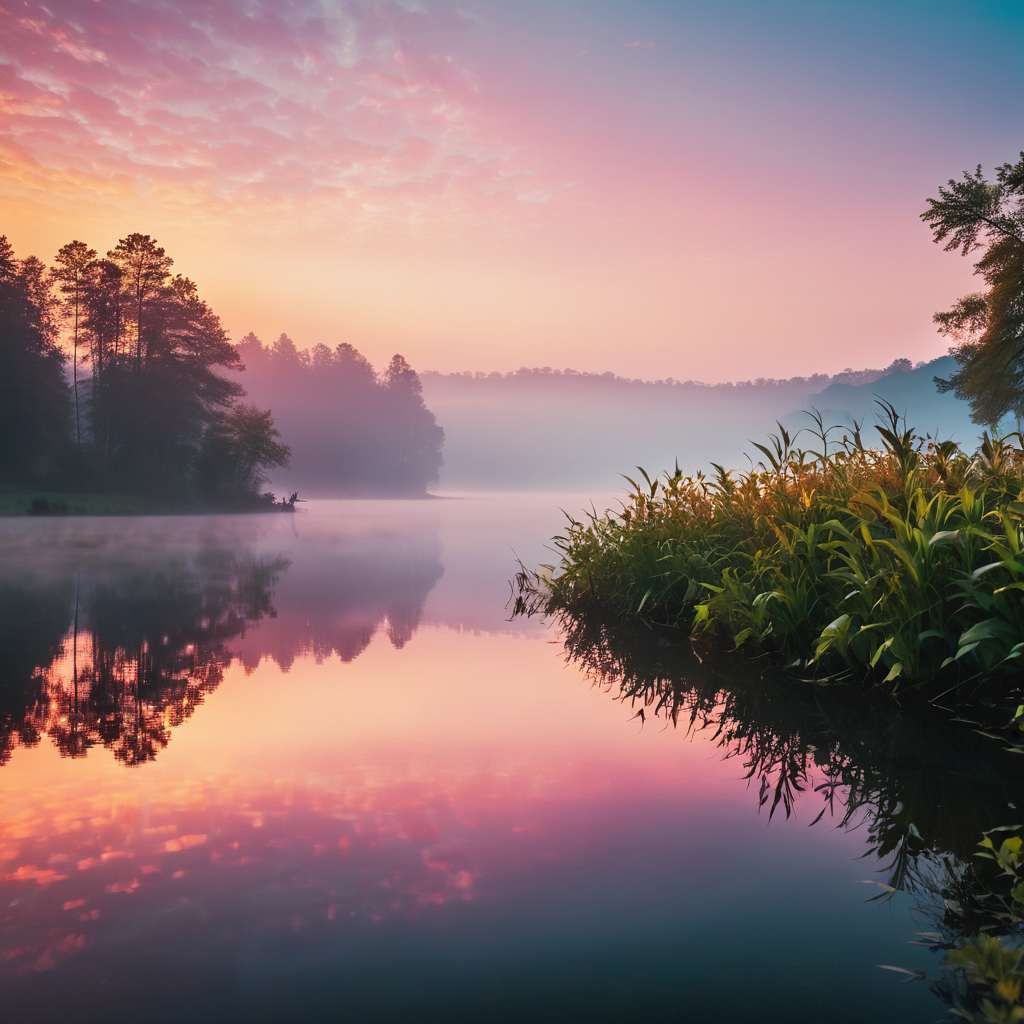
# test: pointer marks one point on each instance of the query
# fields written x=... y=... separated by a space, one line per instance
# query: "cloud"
x=358 y=106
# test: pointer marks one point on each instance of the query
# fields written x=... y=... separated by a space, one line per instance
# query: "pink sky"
x=692 y=190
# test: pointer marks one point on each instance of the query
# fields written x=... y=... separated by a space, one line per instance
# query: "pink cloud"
x=250 y=99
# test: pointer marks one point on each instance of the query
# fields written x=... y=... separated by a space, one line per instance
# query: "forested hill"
x=911 y=392
x=352 y=431
x=542 y=429
x=117 y=381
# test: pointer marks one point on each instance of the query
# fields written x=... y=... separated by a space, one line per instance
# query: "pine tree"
x=75 y=264
x=34 y=401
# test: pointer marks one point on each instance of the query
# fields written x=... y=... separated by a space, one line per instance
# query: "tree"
x=987 y=328
x=401 y=378
x=34 y=401
x=157 y=401
x=417 y=437
x=75 y=263
x=151 y=407
x=238 y=447
x=145 y=267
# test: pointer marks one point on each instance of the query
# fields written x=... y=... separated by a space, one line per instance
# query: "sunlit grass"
x=896 y=565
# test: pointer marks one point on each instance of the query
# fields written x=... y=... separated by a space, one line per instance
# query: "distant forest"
x=352 y=430
x=526 y=374
x=117 y=378
x=545 y=429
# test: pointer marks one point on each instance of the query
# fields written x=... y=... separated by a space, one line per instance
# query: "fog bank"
x=544 y=430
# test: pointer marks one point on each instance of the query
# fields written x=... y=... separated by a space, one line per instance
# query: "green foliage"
x=896 y=566
x=993 y=965
x=237 y=447
x=987 y=328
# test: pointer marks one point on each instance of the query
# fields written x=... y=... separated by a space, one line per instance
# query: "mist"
x=548 y=430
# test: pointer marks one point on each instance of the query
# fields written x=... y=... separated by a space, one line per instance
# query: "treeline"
x=353 y=431
x=113 y=379
x=817 y=380
x=117 y=378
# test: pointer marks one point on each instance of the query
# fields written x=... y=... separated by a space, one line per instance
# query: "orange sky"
x=700 y=191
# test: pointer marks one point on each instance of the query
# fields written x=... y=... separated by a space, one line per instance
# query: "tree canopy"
x=156 y=412
x=987 y=327
x=151 y=402
x=34 y=396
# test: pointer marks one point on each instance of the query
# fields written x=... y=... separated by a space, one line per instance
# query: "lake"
x=305 y=768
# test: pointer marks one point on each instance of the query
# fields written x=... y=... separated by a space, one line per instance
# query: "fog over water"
x=550 y=431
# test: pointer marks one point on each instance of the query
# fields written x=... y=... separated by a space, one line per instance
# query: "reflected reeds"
x=927 y=786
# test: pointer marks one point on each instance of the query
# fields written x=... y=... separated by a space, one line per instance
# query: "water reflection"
x=391 y=805
x=120 y=653
x=232 y=850
x=926 y=785
x=340 y=592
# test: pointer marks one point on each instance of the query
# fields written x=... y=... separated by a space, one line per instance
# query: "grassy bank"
x=900 y=565
x=21 y=501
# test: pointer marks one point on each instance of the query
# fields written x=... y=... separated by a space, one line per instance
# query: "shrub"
x=897 y=565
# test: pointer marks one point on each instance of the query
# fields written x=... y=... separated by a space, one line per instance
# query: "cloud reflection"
x=307 y=855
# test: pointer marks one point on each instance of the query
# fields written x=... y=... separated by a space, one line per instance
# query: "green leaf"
x=881 y=650
x=989 y=629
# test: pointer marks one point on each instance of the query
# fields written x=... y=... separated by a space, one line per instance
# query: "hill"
x=544 y=429
x=911 y=392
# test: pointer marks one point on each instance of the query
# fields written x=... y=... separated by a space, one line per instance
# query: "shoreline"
x=17 y=503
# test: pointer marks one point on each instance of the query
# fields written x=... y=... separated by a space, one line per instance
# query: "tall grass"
x=897 y=565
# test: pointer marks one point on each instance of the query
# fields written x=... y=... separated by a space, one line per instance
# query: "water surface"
x=303 y=767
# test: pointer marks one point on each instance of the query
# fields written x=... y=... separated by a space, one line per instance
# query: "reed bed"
x=897 y=565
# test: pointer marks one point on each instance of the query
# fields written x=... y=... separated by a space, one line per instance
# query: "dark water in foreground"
x=302 y=768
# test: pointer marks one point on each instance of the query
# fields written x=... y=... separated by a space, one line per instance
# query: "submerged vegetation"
x=897 y=566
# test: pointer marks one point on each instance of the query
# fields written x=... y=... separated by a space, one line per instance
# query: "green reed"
x=895 y=565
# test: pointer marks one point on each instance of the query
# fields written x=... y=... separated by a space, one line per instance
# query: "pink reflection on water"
x=457 y=772
x=79 y=865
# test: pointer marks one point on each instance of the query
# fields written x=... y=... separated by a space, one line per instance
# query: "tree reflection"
x=927 y=785
x=145 y=644
x=121 y=654
x=33 y=626
x=338 y=596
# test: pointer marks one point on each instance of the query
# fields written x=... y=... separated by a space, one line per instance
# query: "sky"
x=715 y=190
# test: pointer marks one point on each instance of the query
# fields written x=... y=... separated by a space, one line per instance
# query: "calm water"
x=302 y=767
